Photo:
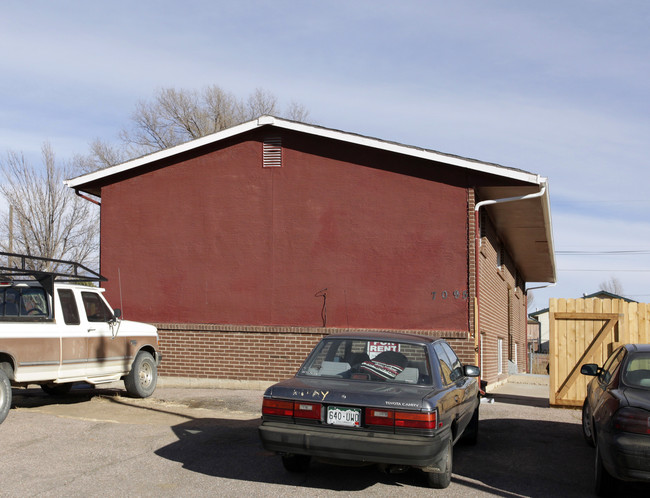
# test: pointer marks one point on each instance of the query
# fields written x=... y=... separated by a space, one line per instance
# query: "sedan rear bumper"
x=358 y=446
x=630 y=457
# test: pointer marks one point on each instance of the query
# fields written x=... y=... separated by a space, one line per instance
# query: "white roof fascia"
x=163 y=154
x=429 y=155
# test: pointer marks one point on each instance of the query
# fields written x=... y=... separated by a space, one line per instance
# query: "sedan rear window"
x=368 y=360
x=637 y=372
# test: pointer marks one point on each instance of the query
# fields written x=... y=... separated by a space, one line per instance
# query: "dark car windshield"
x=637 y=372
x=369 y=360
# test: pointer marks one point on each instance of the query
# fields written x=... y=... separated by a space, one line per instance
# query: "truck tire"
x=141 y=380
x=5 y=392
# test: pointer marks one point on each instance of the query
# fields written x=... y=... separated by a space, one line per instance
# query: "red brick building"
x=245 y=247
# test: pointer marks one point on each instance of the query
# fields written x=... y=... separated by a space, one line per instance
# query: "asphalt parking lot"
x=200 y=442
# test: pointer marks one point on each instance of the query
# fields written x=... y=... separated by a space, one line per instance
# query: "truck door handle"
x=92 y=330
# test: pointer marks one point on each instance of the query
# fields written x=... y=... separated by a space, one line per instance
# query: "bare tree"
x=48 y=220
x=613 y=286
x=176 y=116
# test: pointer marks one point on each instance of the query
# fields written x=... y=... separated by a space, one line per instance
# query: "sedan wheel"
x=441 y=480
x=296 y=463
x=587 y=424
x=605 y=483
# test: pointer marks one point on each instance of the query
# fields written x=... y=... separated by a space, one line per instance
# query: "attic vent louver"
x=272 y=152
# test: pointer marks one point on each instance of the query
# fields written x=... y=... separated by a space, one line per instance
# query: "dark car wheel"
x=587 y=424
x=296 y=463
x=5 y=392
x=441 y=480
x=605 y=483
x=471 y=432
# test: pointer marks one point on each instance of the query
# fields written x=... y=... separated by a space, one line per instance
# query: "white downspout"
x=478 y=206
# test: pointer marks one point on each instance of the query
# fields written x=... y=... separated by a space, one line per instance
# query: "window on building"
x=499 y=356
x=501 y=257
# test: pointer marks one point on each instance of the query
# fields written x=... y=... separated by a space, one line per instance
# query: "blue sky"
x=558 y=88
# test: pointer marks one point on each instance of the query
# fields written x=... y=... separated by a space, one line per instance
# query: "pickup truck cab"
x=55 y=334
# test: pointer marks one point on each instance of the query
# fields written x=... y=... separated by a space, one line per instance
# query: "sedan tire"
x=587 y=424
x=296 y=463
x=441 y=480
x=470 y=436
x=605 y=483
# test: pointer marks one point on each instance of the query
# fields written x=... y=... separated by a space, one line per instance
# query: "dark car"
x=396 y=400
x=616 y=416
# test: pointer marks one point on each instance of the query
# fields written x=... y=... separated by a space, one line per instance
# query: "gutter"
x=477 y=236
x=76 y=191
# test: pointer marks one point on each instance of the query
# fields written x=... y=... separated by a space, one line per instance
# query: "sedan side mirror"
x=590 y=369
x=472 y=371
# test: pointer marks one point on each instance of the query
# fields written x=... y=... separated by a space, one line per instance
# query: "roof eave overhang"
x=92 y=182
x=525 y=227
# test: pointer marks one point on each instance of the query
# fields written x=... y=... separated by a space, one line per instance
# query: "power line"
x=600 y=253
x=604 y=269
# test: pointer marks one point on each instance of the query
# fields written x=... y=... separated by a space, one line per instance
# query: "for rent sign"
x=376 y=347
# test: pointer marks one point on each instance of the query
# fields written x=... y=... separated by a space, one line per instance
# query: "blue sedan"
x=616 y=416
x=396 y=400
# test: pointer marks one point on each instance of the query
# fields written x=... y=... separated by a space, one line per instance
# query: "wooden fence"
x=587 y=331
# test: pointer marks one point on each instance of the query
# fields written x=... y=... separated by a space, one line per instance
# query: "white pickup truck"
x=55 y=332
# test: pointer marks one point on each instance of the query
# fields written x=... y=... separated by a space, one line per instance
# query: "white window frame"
x=499 y=356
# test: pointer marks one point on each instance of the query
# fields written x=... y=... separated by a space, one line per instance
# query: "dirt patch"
x=165 y=407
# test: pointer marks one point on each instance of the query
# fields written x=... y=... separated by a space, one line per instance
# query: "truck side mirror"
x=117 y=313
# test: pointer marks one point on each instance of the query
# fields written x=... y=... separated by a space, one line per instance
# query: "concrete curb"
x=196 y=383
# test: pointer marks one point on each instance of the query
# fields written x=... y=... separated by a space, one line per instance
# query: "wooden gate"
x=587 y=331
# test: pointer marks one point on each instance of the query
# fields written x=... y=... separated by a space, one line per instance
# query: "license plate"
x=348 y=417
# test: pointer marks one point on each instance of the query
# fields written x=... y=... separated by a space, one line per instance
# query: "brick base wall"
x=256 y=353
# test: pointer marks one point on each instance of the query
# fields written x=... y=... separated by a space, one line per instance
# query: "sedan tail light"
x=276 y=407
x=380 y=417
x=632 y=420
x=393 y=418
x=416 y=420
x=307 y=410
x=291 y=409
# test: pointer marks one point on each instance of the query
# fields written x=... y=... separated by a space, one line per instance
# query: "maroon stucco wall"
x=217 y=238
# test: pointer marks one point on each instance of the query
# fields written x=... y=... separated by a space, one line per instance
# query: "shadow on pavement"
x=513 y=458
x=516 y=399
x=35 y=397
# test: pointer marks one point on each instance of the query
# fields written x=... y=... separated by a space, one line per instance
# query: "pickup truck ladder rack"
x=21 y=265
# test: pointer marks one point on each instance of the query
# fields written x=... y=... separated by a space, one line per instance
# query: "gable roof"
x=525 y=226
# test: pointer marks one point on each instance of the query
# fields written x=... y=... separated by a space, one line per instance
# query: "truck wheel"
x=441 y=480
x=57 y=389
x=141 y=380
x=5 y=393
